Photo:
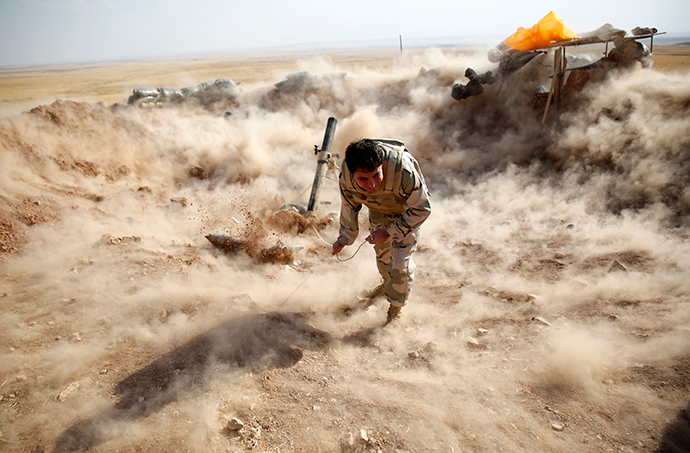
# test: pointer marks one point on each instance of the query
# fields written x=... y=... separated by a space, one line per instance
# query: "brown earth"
x=535 y=324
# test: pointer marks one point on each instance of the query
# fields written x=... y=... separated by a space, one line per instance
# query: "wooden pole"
x=401 y=50
x=553 y=84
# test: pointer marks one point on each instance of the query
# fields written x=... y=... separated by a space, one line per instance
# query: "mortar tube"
x=322 y=166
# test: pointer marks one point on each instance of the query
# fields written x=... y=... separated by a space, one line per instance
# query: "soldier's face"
x=369 y=180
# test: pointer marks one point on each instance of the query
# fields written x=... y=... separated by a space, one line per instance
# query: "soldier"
x=383 y=176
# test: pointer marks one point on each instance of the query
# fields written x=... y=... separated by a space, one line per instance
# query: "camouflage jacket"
x=400 y=203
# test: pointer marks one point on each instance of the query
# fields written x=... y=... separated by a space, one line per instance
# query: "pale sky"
x=74 y=31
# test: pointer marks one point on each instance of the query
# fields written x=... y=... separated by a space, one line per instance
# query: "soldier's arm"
x=349 y=218
x=419 y=206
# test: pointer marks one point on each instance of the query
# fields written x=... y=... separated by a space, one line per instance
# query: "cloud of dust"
x=517 y=284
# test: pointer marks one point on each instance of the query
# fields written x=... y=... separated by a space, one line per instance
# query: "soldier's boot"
x=374 y=292
x=393 y=313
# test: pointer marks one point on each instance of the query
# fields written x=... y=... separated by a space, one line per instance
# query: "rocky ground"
x=550 y=310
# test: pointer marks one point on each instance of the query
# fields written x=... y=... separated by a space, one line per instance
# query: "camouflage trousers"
x=395 y=264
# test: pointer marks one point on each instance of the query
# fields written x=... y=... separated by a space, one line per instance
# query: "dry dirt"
x=550 y=310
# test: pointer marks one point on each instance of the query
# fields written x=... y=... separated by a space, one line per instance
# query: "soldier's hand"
x=337 y=247
x=378 y=237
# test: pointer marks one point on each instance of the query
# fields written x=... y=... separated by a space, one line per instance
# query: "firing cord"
x=308 y=275
x=337 y=254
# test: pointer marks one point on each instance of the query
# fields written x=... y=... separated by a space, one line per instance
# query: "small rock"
x=235 y=424
x=482 y=331
x=348 y=440
x=559 y=256
x=21 y=378
x=363 y=436
x=413 y=354
x=68 y=391
x=472 y=341
x=255 y=432
x=431 y=346
x=558 y=427
x=182 y=200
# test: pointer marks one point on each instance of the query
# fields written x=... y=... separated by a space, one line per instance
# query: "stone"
x=235 y=424
x=363 y=436
x=348 y=440
x=558 y=427
x=68 y=391
x=431 y=346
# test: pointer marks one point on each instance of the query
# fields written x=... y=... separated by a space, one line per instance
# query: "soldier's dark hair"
x=365 y=155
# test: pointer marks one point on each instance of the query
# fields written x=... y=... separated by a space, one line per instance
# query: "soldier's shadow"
x=676 y=437
x=252 y=343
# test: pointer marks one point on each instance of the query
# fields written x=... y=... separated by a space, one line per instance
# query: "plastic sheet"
x=548 y=30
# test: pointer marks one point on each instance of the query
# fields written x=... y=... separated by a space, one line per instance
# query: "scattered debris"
x=68 y=391
x=182 y=200
x=207 y=93
x=234 y=424
x=277 y=254
x=112 y=240
x=616 y=266
x=280 y=253
x=225 y=243
x=540 y=320
x=474 y=86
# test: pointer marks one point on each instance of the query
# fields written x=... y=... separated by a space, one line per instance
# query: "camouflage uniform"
x=400 y=204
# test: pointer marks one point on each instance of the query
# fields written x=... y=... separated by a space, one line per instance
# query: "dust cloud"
x=550 y=310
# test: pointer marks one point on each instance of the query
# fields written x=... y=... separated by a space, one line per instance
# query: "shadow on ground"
x=252 y=343
x=676 y=437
